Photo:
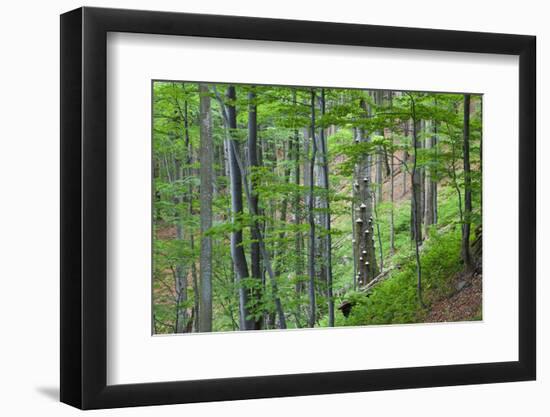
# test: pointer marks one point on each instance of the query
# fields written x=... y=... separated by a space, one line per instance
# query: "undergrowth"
x=395 y=300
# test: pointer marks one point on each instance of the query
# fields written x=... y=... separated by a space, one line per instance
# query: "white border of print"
x=135 y=356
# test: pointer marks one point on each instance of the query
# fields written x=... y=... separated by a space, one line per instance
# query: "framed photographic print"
x=256 y=208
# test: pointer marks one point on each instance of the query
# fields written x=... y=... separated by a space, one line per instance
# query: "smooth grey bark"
x=391 y=167
x=236 y=185
x=415 y=204
x=328 y=238
x=311 y=217
x=307 y=197
x=181 y=290
x=377 y=197
x=283 y=217
x=466 y=254
x=430 y=184
x=377 y=221
x=206 y=191
x=378 y=96
x=180 y=270
x=421 y=169
x=435 y=172
x=181 y=267
x=263 y=251
x=299 y=242
x=392 y=192
x=229 y=117
x=255 y=257
x=196 y=290
x=451 y=170
x=296 y=202
x=416 y=183
x=194 y=324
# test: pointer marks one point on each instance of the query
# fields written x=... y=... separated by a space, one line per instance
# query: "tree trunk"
x=367 y=268
x=435 y=174
x=466 y=255
x=206 y=177
x=283 y=216
x=237 y=250
x=405 y=159
x=311 y=217
x=263 y=252
x=430 y=185
x=298 y=241
x=392 y=185
x=421 y=144
x=392 y=190
x=378 y=95
x=237 y=167
x=194 y=325
x=255 y=257
x=327 y=258
x=416 y=192
x=181 y=285
x=415 y=207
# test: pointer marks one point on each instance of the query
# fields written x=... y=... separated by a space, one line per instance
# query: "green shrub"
x=395 y=301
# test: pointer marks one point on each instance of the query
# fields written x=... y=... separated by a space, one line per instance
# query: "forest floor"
x=463 y=305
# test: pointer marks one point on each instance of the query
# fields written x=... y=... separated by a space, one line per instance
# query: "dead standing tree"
x=365 y=255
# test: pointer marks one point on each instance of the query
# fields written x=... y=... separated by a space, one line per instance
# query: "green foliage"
x=394 y=301
x=285 y=149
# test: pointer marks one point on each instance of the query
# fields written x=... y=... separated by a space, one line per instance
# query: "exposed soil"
x=463 y=305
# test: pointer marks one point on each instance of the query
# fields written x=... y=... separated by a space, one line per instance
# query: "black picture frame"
x=84 y=207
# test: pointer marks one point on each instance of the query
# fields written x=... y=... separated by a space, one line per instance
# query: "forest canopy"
x=297 y=207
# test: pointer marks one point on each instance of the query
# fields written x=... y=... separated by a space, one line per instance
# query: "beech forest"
x=278 y=207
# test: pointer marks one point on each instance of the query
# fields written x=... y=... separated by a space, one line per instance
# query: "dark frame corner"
x=83 y=207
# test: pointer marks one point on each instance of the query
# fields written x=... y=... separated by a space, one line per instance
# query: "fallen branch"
x=379 y=278
x=376 y=280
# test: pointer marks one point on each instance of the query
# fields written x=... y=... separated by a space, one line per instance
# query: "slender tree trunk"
x=416 y=207
x=263 y=251
x=206 y=177
x=378 y=95
x=391 y=172
x=430 y=184
x=422 y=171
x=255 y=257
x=355 y=246
x=377 y=220
x=190 y=172
x=328 y=238
x=180 y=270
x=196 y=289
x=481 y=155
x=392 y=215
x=180 y=273
x=466 y=255
x=283 y=217
x=237 y=250
x=311 y=217
x=320 y=215
x=299 y=241
x=237 y=167
x=377 y=197
x=416 y=192
x=405 y=158
x=435 y=173
x=355 y=236
x=181 y=285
